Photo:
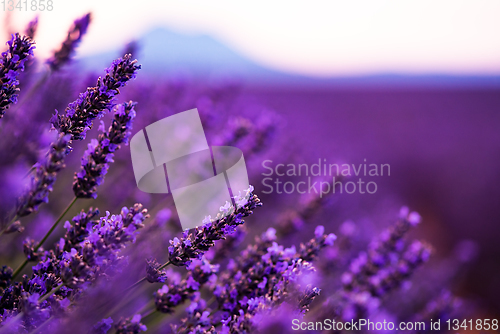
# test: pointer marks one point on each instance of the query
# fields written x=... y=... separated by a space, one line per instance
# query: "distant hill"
x=162 y=51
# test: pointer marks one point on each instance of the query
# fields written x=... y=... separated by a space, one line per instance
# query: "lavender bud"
x=73 y=126
x=15 y=227
x=307 y=298
x=130 y=325
x=75 y=35
x=102 y=327
x=44 y=178
x=153 y=273
x=95 y=162
x=32 y=28
x=11 y=64
x=193 y=245
x=96 y=100
x=5 y=277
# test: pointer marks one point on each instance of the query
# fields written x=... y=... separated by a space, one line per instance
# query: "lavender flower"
x=307 y=298
x=177 y=291
x=11 y=64
x=32 y=28
x=95 y=162
x=75 y=35
x=73 y=126
x=102 y=327
x=78 y=230
x=45 y=177
x=14 y=227
x=259 y=271
x=445 y=306
x=381 y=251
x=65 y=273
x=130 y=325
x=154 y=273
x=96 y=100
x=194 y=244
x=5 y=277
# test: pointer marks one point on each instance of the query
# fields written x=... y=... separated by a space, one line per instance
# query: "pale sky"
x=319 y=38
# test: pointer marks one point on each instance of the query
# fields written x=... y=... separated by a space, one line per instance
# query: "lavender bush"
x=127 y=269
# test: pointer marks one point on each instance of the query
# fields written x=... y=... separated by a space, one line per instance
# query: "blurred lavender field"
x=387 y=262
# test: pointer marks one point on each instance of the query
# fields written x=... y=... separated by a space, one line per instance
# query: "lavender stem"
x=61 y=216
x=163 y=266
x=50 y=293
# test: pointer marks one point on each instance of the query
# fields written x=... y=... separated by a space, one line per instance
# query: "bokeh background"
x=414 y=84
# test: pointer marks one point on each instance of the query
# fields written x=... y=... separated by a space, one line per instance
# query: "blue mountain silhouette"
x=163 y=51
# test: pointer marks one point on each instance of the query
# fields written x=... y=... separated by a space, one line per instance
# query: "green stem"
x=50 y=293
x=21 y=267
x=147 y=316
x=18 y=270
x=163 y=266
x=56 y=223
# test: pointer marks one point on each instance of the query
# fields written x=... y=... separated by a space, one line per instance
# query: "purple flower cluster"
x=266 y=267
x=32 y=28
x=73 y=126
x=61 y=274
x=177 y=291
x=20 y=48
x=387 y=264
x=45 y=177
x=130 y=325
x=100 y=152
x=75 y=35
x=97 y=100
x=195 y=243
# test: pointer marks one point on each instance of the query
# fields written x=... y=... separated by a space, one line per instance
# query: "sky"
x=314 y=38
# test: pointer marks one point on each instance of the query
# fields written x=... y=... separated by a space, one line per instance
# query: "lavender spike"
x=11 y=64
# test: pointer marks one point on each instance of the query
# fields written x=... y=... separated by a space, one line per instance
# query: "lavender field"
x=83 y=250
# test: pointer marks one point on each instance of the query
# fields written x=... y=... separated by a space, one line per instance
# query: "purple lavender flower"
x=153 y=272
x=32 y=28
x=44 y=178
x=78 y=230
x=14 y=227
x=176 y=291
x=262 y=271
x=193 y=245
x=102 y=327
x=75 y=35
x=95 y=162
x=5 y=277
x=73 y=126
x=445 y=306
x=130 y=325
x=65 y=273
x=11 y=64
x=96 y=100
x=381 y=251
